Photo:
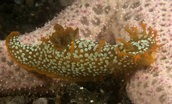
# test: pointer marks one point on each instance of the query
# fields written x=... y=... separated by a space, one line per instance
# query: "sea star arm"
x=90 y=18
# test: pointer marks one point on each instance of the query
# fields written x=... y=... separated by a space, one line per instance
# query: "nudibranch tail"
x=64 y=56
x=142 y=46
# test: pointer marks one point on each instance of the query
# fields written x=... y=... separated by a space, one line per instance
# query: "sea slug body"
x=62 y=55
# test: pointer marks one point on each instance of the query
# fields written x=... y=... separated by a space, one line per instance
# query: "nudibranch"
x=62 y=55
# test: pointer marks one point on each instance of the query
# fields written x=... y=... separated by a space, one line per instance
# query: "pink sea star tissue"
x=153 y=85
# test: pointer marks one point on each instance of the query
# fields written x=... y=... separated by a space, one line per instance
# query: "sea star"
x=16 y=80
x=152 y=85
x=97 y=19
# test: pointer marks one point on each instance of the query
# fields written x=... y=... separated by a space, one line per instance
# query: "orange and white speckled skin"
x=63 y=56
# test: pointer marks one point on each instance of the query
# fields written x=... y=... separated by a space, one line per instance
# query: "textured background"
x=26 y=15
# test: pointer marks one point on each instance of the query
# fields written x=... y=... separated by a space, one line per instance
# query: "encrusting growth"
x=62 y=55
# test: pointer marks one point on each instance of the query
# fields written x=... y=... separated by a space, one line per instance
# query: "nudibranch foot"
x=62 y=55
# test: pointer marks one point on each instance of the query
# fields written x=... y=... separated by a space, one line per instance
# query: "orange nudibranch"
x=63 y=56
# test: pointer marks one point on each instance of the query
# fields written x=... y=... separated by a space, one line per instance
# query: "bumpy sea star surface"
x=153 y=84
